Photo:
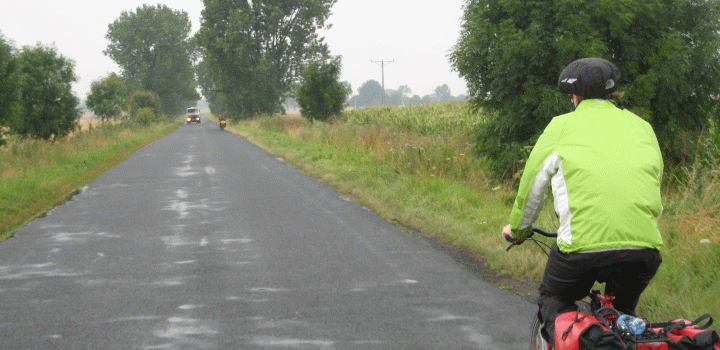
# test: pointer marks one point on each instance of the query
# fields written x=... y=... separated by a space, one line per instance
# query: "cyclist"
x=605 y=168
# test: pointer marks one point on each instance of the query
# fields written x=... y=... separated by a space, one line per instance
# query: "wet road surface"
x=203 y=241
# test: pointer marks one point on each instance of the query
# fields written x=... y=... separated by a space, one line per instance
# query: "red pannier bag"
x=575 y=330
x=648 y=341
x=686 y=335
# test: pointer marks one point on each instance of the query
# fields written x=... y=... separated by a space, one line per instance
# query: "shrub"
x=320 y=93
x=106 y=97
x=143 y=117
x=48 y=106
x=145 y=99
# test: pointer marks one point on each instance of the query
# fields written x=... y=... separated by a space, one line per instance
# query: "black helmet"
x=589 y=78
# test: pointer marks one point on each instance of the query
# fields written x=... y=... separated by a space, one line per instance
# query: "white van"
x=193 y=115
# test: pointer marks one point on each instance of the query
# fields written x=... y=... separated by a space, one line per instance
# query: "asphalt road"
x=201 y=240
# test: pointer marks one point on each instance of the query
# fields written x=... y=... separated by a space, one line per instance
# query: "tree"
x=145 y=100
x=48 y=107
x=398 y=97
x=107 y=97
x=415 y=100
x=143 y=117
x=370 y=93
x=442 y=94
x=154 y=49
x=348 y=87
x=348 y=90
x=9 y=86
x=320 y=93
x=255 y=48
x=208 y=88
x=511 y=54
x=404 y=92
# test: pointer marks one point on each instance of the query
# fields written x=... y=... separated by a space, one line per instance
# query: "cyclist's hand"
x=508 y=236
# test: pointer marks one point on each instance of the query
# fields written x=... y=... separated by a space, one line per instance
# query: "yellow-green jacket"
x=605 y=168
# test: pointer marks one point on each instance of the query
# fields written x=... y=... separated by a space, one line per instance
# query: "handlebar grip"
x=510 y=239
x=514 y=241
x=545 y=233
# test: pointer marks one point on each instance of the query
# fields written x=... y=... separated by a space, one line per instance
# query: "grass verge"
x=37 y=175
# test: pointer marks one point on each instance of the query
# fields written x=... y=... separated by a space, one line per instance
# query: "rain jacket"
x=605 y=168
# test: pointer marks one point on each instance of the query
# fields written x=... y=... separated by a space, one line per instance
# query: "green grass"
x=37 y=175
x=415 y=167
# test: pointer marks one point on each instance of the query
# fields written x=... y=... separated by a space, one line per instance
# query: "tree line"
x=246 y=58
x=253 y=52
x=370 y=93
x=153 y=47
x=254 y=55
x=155 y=50
x=156 y=54
x=249 y=57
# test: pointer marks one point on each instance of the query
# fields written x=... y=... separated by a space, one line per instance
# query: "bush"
x=106 y=97
x=48 y=106
x=320 y=93
x=145 y=99
x=143 y=117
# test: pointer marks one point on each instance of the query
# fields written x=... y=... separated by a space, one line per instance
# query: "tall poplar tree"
x=153 y=47
x=254 y=49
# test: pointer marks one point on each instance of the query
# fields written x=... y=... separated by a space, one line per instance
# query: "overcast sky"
x=416 y=35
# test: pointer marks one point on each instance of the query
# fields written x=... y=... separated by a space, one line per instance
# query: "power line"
x=382 y=64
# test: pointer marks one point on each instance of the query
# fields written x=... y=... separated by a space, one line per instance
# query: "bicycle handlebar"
x=545 y=233
x=534 y=230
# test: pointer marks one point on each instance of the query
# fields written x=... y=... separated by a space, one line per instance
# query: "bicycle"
x=676 y=334
x=596 y=303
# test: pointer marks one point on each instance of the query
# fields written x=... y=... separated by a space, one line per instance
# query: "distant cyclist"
x=605 y=168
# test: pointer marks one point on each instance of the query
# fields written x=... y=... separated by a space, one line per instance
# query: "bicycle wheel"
x=536 y=340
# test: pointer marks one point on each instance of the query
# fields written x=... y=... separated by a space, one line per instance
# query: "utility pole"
x=382 y=64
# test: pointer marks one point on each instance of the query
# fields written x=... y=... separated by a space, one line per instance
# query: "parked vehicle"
x=193 y=115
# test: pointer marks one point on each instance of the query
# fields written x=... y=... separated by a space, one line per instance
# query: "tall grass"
x=421 y=120
x=35 y=174
x=690 y=275
x=414 y=166
x=424 y=141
